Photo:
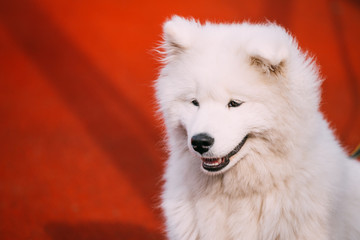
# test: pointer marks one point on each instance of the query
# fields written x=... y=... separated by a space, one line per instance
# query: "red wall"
x=81 y=155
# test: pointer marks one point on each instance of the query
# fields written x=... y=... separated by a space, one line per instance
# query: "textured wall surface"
x=81 y=154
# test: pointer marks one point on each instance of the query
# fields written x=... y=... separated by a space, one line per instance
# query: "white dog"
x=251 y=156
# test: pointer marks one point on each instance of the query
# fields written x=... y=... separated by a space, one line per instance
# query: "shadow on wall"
x=99 y=231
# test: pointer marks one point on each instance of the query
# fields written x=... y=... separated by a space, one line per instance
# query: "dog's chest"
x=221 y=217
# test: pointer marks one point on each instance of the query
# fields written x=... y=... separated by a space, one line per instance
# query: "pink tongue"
x=212 y=161
x=216 y=161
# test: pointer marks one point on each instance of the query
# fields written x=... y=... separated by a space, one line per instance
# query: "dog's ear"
x=268 y=67
x=177 y=35
x=269 y=49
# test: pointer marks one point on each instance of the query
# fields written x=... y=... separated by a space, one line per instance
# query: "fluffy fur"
x=291 y=179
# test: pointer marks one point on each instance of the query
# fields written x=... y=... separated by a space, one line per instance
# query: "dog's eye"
x=195 y=102
x=234 y=103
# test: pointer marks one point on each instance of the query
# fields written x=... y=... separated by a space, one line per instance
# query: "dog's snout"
x=202 y=142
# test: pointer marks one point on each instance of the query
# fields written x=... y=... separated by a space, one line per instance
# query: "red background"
x=81 y=155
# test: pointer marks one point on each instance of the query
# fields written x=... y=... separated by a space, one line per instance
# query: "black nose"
x=202 y=142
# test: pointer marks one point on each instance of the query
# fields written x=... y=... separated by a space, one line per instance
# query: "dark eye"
x=195 y=102
x=234 y=103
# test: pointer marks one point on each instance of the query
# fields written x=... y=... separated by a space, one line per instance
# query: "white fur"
x=291 y=179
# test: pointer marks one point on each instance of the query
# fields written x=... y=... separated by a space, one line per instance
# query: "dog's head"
x=224 y=88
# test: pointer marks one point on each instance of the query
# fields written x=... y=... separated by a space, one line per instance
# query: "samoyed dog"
x=251 y=155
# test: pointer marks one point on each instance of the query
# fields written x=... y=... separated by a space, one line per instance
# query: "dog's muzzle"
x=216 y=164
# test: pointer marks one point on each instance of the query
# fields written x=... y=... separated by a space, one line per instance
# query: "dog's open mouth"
x=216 y=164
